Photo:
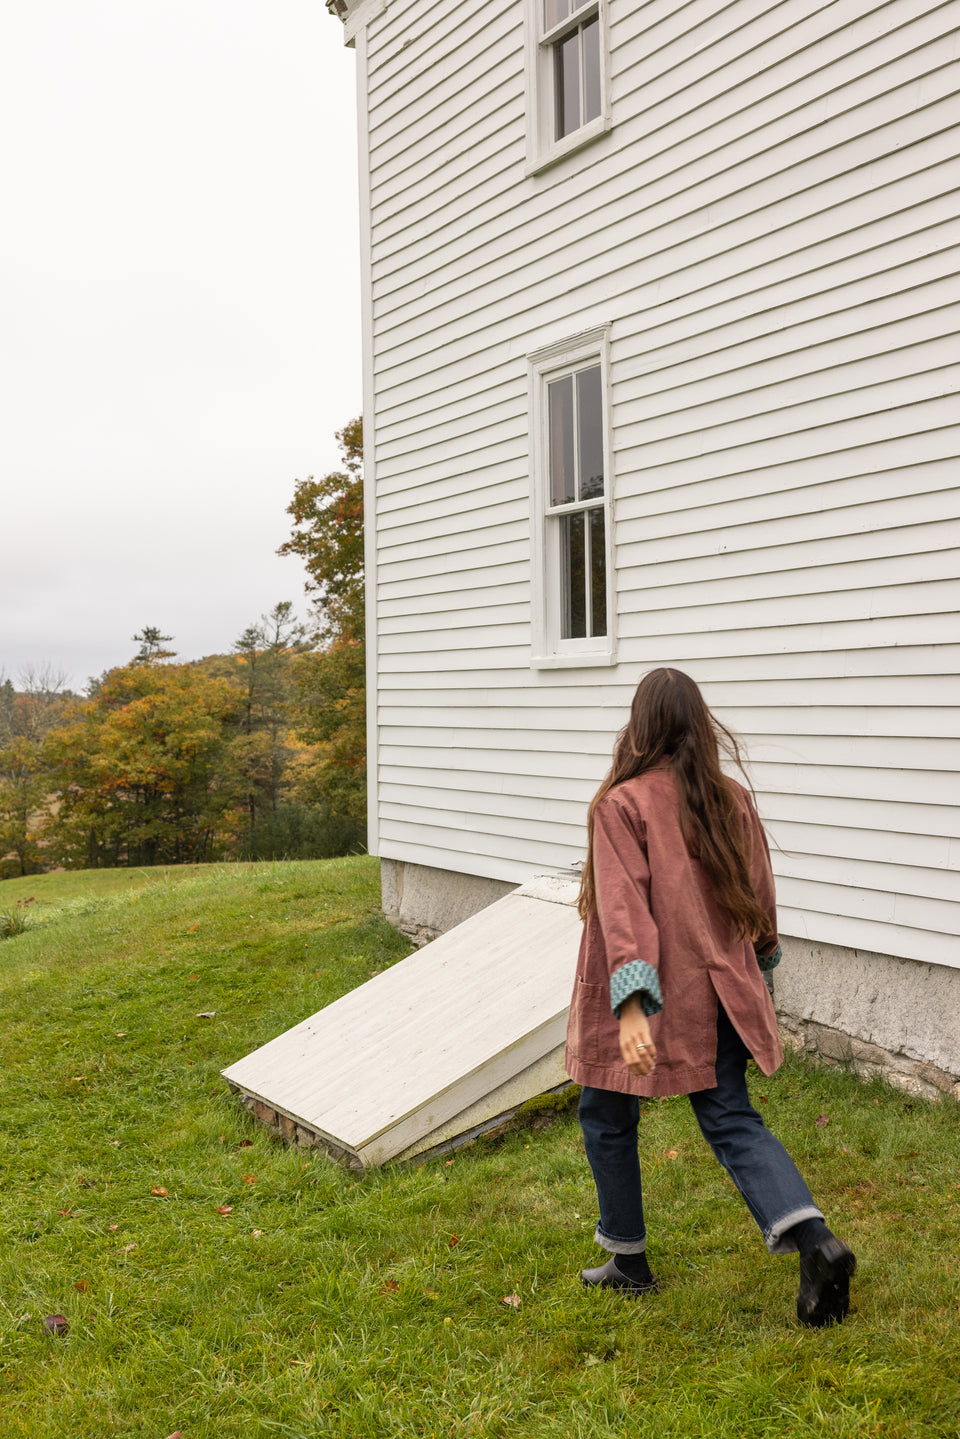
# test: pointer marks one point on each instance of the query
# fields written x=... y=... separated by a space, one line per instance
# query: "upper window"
x=565 y=77
x=575 y=46
x=571 y=504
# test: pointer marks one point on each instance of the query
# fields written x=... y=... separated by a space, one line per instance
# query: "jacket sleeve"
x=767 y=945
x=622 y=882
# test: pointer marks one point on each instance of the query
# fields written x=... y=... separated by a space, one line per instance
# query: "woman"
x=677 y=899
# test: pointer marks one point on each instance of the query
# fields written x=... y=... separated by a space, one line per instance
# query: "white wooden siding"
x=770 y=231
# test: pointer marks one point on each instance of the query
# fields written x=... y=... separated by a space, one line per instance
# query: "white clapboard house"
x=661 y=312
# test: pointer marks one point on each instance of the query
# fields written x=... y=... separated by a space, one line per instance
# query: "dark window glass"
x=554 y=11
x=563 y=483
x=573 y=566
x=598 y=574
x=590 y=433
x=568 y=84
x=590 y=42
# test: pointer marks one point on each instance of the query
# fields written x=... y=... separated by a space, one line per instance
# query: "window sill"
x=569 y=145
x=585 y=660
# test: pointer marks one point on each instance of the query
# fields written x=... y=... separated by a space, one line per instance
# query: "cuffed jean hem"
x=620 y=1246
x=775 y=1237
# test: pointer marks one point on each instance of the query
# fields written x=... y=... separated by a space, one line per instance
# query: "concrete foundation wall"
x=424 y=902
x=881 y=1015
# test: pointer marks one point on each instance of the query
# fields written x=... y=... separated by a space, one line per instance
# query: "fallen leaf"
x=81 y=1286
x=84 y=1183
x=193 y=929
x=129 y=1248
x=249 y=1179
x=177 y=1434
x=121 y=1034
x=590 y=1360
x=114 y=1226
x=206 y=1014
x=224 y=1208
x=67 y=1213
x=454 y=1240
x=763 y=1099
x=449 y=1161
x=822 y=1121
x=258 y=1233
x=245 y=1144
x=673 y=1153
x=159 y=1190
x=56 y=1324
x=114 y=1142
x=389 y=1286
x=513 y=1300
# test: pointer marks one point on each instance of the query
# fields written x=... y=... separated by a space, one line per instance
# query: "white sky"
x=179 y=314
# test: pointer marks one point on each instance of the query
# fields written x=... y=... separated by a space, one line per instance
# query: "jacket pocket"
x=591 y=1021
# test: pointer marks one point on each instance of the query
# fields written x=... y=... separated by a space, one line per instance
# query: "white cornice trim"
x=355 y=14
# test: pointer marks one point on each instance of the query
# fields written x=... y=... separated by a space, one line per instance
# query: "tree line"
x=258 y=752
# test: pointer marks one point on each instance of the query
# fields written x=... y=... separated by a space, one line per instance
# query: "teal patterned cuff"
x=636 y=978
x=770 y=961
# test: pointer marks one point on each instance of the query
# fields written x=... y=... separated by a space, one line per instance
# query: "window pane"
x=568 y=84
x=563 y=485
x=598 y=573
x=554 y=11
x=573 y=577
x=590 y=40
x=590 y=433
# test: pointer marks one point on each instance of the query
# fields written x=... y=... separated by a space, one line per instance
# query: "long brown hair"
x=669 y=718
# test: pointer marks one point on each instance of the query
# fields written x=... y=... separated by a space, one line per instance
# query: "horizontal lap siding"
x=770 y=230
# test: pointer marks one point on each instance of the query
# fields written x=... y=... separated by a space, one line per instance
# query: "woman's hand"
x=637 y=1049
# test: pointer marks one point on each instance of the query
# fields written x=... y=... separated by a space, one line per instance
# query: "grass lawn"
x=219 y=1285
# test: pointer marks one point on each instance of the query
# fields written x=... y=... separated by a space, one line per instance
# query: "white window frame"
x=543 y=149
x=549 y=649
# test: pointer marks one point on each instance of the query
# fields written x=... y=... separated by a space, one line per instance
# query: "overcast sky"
x=179 y=314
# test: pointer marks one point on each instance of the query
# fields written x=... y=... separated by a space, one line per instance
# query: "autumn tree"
x=27 y=714
x=328 y=537
x=144 y=775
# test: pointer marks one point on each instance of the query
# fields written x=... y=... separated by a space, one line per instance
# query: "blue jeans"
x=756 y=1161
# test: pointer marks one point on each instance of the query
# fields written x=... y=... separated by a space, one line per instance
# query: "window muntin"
x=576 y=514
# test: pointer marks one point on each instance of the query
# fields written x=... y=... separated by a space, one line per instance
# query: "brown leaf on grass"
x=67 y=1213
x=114 y=1142
x=389 y=1286
x=121 y=1034
x=512 y=1300
x=673 y=1153
x=206 y=1014
x=453 y=1241
x=114 y=1226
x=159 y=1190
x=763 y=1099
x=193 y=929
x=84 y=1183
x=249 y=1179
x=822 y=1121
x=56 y=1324
x=224 y=1208
x=245 y=1144
x=129 y=1248
x=448 y=1161
x=177 y=1434
x=81 y=1286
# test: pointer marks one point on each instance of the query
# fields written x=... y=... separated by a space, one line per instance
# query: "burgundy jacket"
x=657 y=930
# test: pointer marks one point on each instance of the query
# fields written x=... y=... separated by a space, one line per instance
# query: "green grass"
x=327 y=1304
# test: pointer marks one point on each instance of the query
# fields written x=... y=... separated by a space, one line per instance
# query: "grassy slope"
x=326 y=1304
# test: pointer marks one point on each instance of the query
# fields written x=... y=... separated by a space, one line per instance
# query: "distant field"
x=223 y=1287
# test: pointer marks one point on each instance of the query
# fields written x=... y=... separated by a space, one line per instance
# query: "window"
x=566 y=77
x=572 y=503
